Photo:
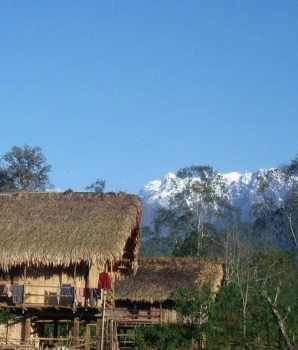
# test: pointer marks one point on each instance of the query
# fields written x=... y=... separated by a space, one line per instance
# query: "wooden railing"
x=34 y=296
x=123 y=315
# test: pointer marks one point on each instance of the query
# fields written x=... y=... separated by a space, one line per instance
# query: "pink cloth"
x=79 y=293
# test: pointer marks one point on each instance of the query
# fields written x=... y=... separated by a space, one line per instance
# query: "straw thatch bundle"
x=67 y=228
x=157 y=279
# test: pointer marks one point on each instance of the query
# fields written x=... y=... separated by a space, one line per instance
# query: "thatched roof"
x=157 y=279
x=67 y=228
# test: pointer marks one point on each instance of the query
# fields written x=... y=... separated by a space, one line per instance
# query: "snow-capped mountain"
x=242 y=191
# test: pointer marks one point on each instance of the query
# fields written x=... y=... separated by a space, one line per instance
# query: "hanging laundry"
x=97 y=293
x=86 y=295
x=17 y=293
x=104 y=281
x=79 y=292
x=58 y=293
x=66 y=294
x=9 y=294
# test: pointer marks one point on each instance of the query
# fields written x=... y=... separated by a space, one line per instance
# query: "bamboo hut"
x=150 y=292
x=55 y=247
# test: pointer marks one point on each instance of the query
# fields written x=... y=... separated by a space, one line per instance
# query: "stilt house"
x=60 y=254
x=148 y=296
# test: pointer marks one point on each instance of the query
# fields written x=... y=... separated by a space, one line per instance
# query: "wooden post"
x=76 y=328
x=27 y=329
x=24 y=289
x=160 y=312
x=103 y=318
x=106 y=334
x=7 y=326
x=111 y=335
x=98 y=333
x=87 y=337
x=40 y=334
x=115 y=337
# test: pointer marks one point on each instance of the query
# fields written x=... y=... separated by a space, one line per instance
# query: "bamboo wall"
x=48 y=285
x=11 y=333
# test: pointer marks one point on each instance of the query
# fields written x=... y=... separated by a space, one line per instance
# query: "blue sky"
x=126 y=91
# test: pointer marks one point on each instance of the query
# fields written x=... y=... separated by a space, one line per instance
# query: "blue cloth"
x=18 y=293
x=66 y=290
x=66 y=294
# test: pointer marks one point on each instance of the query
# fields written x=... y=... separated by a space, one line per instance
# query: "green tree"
x=193 y=306
x=26 y=168
x=280 y=218
x=6 y=183
x=192 y=303
x=243 y=313
x=153 y=244
x=278 y=283
x=6 y=315
x=226 y=327
x=164 y=337
x=197 y=205
x=98 y=186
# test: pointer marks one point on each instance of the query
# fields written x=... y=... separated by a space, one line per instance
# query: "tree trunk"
x=280 y=322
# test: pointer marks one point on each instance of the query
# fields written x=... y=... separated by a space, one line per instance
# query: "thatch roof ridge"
x=177 y=260
x=157 y=279
x=70 y=193
x=63 y=228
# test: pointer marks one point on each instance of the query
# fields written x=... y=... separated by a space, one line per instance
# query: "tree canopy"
x=280 y=220
x=98 y=186
x=196 y=205
x=25 y=169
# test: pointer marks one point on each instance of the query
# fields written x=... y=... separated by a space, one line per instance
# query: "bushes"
x=6 y=315
x=165 y=337
x=218 y=323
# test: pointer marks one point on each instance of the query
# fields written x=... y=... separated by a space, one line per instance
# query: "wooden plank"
x=117 y=314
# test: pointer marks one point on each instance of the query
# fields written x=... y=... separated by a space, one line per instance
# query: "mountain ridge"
x=242 y=191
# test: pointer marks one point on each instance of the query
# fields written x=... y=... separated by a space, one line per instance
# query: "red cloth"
x=104 y=281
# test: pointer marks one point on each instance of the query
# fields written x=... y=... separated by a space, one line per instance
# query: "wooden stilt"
x=98 y=333
x=76 y=328
x=116 y=345
x=111 y=335
x=103 y=318
x=24 y=290
x=27 y=330
x=40 y=333
x=87 y=337
x=106 y=335
x=7 y=326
